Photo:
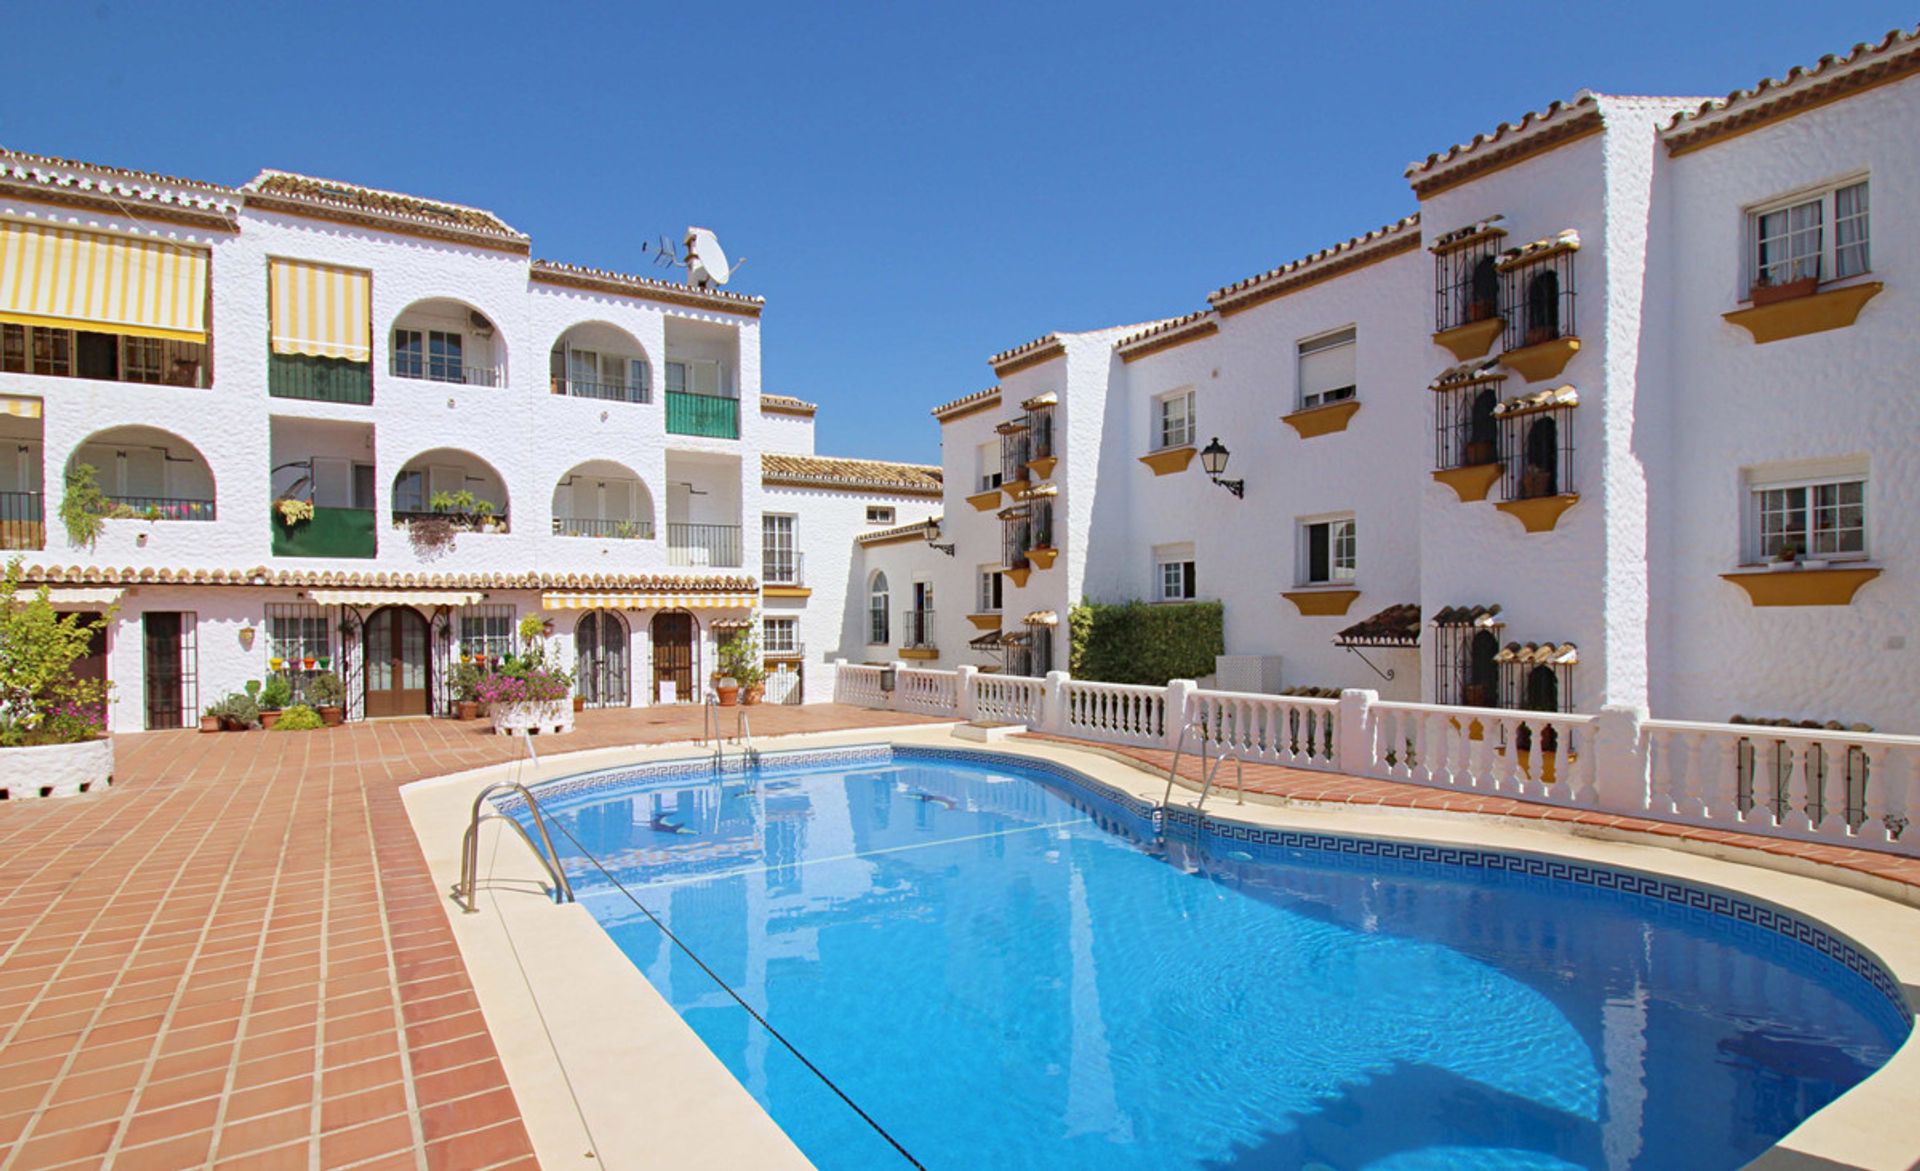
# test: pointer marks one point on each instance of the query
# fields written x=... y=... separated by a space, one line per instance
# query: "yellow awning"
x=84 y=597
x=20 y=408
x=321 y=311
x=395 y=597
x=648 y=601
x=116 y=284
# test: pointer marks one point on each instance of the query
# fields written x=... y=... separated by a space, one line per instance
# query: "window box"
x=985 y=501
x=1042 y=556
x=1541 y=359
x=1768 y=294
x=1169 y=460
x=1814 y=312
x=1322 y=420
x=1471 y=482
x=921 y=653
x=1473 y=339
x=1802 y=586
x=1320 y=603
x=1539 y=513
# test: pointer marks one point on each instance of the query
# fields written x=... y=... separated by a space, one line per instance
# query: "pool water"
x=1007 y=972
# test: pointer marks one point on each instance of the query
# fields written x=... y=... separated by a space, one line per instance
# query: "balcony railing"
x=460 y=373
x=703 y=414
x=22 y=520
x=466 y=522
x=160 y=508
x=619 y=392
x=916 y=629
x=795 y=649
x=622 y=530
x=704 y=546
x=782 y=568
x=330 y=532
x=330 y=380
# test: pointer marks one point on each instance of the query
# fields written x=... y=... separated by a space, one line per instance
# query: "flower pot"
x=1541 y=333
x=466 y=709
x=1481 y=310
x=754 y=694
x=1781 y=566
x=276 y=664
x=209 y=723
x=309 y=661
x=229 y=724
x=729 y=696
x=1479 y=452
x=269 y=719
x=579 y=704
x=333 y=717
x=1785 y=291
x=326 y=663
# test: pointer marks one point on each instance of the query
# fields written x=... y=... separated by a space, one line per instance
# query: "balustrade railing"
x=1535 y=756
x=161 y=508
x=1117 y=713
x=859 y=685
x=1276 y=729
x=428 y=369
x=618 y=392
x=933 y=693
x=22 y=520
x=1008 y=699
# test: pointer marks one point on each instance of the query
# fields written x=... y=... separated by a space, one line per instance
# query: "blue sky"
x=914 y=187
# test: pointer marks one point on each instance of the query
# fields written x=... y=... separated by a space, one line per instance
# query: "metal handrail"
x=1207 y=774
x=1240 y=779
x=466 y=891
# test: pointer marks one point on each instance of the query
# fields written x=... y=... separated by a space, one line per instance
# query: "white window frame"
x=1754 y=543
x=991 y=592
x=1342 y=536
x=1825 y=257
x=1346 y=335
x=879 y=598
x=1165 y=434
x=880 y=514
x=683 y=377
x=786 y=643
x=1175 y=573
x=779 y=541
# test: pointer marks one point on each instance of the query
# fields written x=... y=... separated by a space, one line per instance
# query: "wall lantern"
x=933 y=537
x=1213 y=458
x=246 y=638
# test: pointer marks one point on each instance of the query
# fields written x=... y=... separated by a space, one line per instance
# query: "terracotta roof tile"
x=1166 y=334
x=334 y=194
x=116 y=189
x=1896 y=55
x=870 y=474
x=1394 y=626
x=1027 y=354
x=966 y=404
x=916 y=531
x=626 y=284
x=1537 y=129
x=1378 y=244
x=261 y=575
x=787 y=405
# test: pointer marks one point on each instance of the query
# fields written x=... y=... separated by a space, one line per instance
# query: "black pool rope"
x=738 y=999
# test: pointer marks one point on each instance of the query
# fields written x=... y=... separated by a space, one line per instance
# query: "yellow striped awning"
x=649 y=601
x=116 y=284
x=321 y=310
x=20 y=408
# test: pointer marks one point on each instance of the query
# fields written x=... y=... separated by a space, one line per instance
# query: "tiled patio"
x=235 y=958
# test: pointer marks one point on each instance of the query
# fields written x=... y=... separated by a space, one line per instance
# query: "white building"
x=1539 y=444
x=480 y=434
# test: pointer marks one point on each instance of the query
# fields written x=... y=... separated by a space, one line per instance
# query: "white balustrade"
x=930 y=692
x=1117 y=713
x=1008 y=699
x=1274 y=729
x=859 y=686
x=1531 y=756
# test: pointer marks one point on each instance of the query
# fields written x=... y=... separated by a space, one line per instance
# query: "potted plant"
x=299 y=718
x=465 y=681
x=527 y=696
x=1479 y=452
x=1787 y=558
x=728 y=689
x=210 y=719
x=308 y=662
x=1765 y=292
x=273 y=699
x=293 y=512
x=239 y=712
x=740 y=661
x=328 y=695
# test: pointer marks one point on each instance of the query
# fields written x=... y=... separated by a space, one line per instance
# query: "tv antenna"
x=700 y=254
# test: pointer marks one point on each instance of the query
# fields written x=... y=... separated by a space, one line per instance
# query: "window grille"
x=485 y=633
x=1466 y=276
x=1466 y=651
x=1040 y=427
x=1016 y=538
x=1466 y=431
x=1016 y=448
x=1536 y=436
x=1537 y=289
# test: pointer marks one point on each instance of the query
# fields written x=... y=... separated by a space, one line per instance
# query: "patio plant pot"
x=1787 y=291
x=56 y=770
x=1479 y=452
x=729 y=696
x=333 y=717
x=229 y=724
x=269 y=719
x=209 y=723
x=544 y=717
x=754 y=694
x=466 y=709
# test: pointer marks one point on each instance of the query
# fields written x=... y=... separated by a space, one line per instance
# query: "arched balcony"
x=597 y=360
x=601 y=498
x=443 y=340
x=144 y=473
x=446 y=490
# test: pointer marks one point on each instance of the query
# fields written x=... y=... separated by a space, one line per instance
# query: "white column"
x=1619 y=766
x=1352 y=752
x=1053 y=703
x=1179 y=701
x=963 y=692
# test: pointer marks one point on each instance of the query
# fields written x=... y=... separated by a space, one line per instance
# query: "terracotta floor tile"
x=269 y=1130
x=343 y=1148
x=479 y=1148
x=171 y=1122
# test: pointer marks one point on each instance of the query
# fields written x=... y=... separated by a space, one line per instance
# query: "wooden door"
x=396 y=644
x=600 y=658
x=673 y=656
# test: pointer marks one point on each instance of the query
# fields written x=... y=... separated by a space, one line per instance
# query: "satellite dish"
x=706 y=263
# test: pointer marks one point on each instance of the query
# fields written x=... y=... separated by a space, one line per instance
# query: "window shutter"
x=1327 y=364
x=1317 y=553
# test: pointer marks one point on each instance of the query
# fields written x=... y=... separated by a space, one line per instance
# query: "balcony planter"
x=1042 y=556
x=1542 y=359
x=1470 y=483
x=1017 y=574
x=1539 y=514
x=56 y=770
x=1322 y=420
x=984 y=621
x=985 y=501
x=1042 y=468
x=1801 y=586
x=1814 y=312
x=1015 y=489
x=1763 y=294
x=1170 y=460
x=547 y=717
x=1314 y=603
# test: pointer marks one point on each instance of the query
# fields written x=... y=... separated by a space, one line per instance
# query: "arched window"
x=1542 y=690
x=1483 y=291
x=1543 y=307
x=1542 y=475
x=877 y=602
x=1483 y=674
x=1482 y=444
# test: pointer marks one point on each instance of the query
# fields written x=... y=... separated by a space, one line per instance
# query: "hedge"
x=1137 y=642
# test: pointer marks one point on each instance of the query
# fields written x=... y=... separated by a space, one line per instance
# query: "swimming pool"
x=1007 y=966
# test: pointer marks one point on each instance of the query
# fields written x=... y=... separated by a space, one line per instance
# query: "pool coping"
x=639 y=1086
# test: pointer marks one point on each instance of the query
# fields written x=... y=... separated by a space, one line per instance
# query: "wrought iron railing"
x=619 y=392
x=716 y=546
x=429 y=370
x=782 y=567
x=495 y=522
x=624 y=530
x=22 y=520
x=162 y=507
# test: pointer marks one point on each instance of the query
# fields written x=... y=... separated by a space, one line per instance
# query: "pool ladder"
x=742 y=734
x=1207 y=774
x=465 y=891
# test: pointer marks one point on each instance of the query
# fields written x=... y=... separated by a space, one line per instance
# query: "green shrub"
x=1134 y=642
x=41 y=700
x=239 y=707
x=84 y=506
x=326 y=690
x=299 y=718
x=277 y=693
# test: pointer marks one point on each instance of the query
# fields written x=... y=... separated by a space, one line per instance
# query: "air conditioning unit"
x=1251 y=673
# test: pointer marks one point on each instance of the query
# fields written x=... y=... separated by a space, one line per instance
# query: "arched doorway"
x=674 y=638
x=397 y=668
x=600 y=659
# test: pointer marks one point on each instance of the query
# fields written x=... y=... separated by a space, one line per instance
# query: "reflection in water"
x=1005 y=977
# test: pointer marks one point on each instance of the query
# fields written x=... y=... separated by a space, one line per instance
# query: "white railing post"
x=899 y=688
x=1353 y=733
x=1179 y=709
x=1053 y=703
x=963 y=695
x=1619 y=775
